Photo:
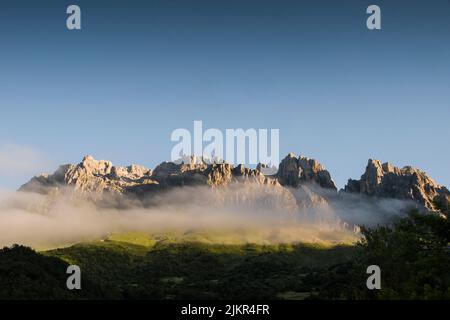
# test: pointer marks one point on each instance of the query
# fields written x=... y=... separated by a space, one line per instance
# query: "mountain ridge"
x=380 y=180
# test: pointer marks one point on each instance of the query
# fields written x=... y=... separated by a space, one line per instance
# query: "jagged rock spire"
x=379 y=180
x=408 y=183
x=294 y=171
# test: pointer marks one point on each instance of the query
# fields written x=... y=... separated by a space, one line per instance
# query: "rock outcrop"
x=295 y=171
x=98 y=176
x=91 y=176
x=306 y=179
x=408 y=183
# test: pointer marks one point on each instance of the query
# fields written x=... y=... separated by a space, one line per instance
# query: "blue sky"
x=140 y=69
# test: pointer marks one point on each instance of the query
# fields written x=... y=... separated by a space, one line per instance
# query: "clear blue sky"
x=140 y=69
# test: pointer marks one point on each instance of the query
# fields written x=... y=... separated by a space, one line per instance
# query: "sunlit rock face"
x=295 y=171
x=98 y=176
x=408 y=183
x=91 y=176
x=235 y=187
x=301 y=183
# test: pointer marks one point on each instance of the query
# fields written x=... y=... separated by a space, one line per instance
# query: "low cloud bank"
x=252 y=213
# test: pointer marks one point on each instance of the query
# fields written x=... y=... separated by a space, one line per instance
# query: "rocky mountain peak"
x=387 y=181
x=96 y=167
x=100 y=175
x=295 y=171
x=383 y=180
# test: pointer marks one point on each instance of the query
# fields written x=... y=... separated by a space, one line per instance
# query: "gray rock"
x=306 y=179
x=295 y=171
x=408 y=183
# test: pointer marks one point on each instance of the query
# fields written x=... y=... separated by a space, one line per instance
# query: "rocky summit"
x=99 y=176
x=307 y=179
x=408 y=183
x=295 y=171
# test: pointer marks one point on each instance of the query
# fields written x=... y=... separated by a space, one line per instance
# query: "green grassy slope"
x=413 y=254
x=173 y=270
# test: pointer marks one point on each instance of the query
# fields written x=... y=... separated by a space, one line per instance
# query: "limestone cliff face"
x=90 y=176
x=198 y=172
x=98 y=176
x=305 y=179
x=387 y=181
x=295 y=171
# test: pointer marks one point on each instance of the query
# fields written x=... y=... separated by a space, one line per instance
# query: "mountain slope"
x=306 y=179
x=408 y=183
